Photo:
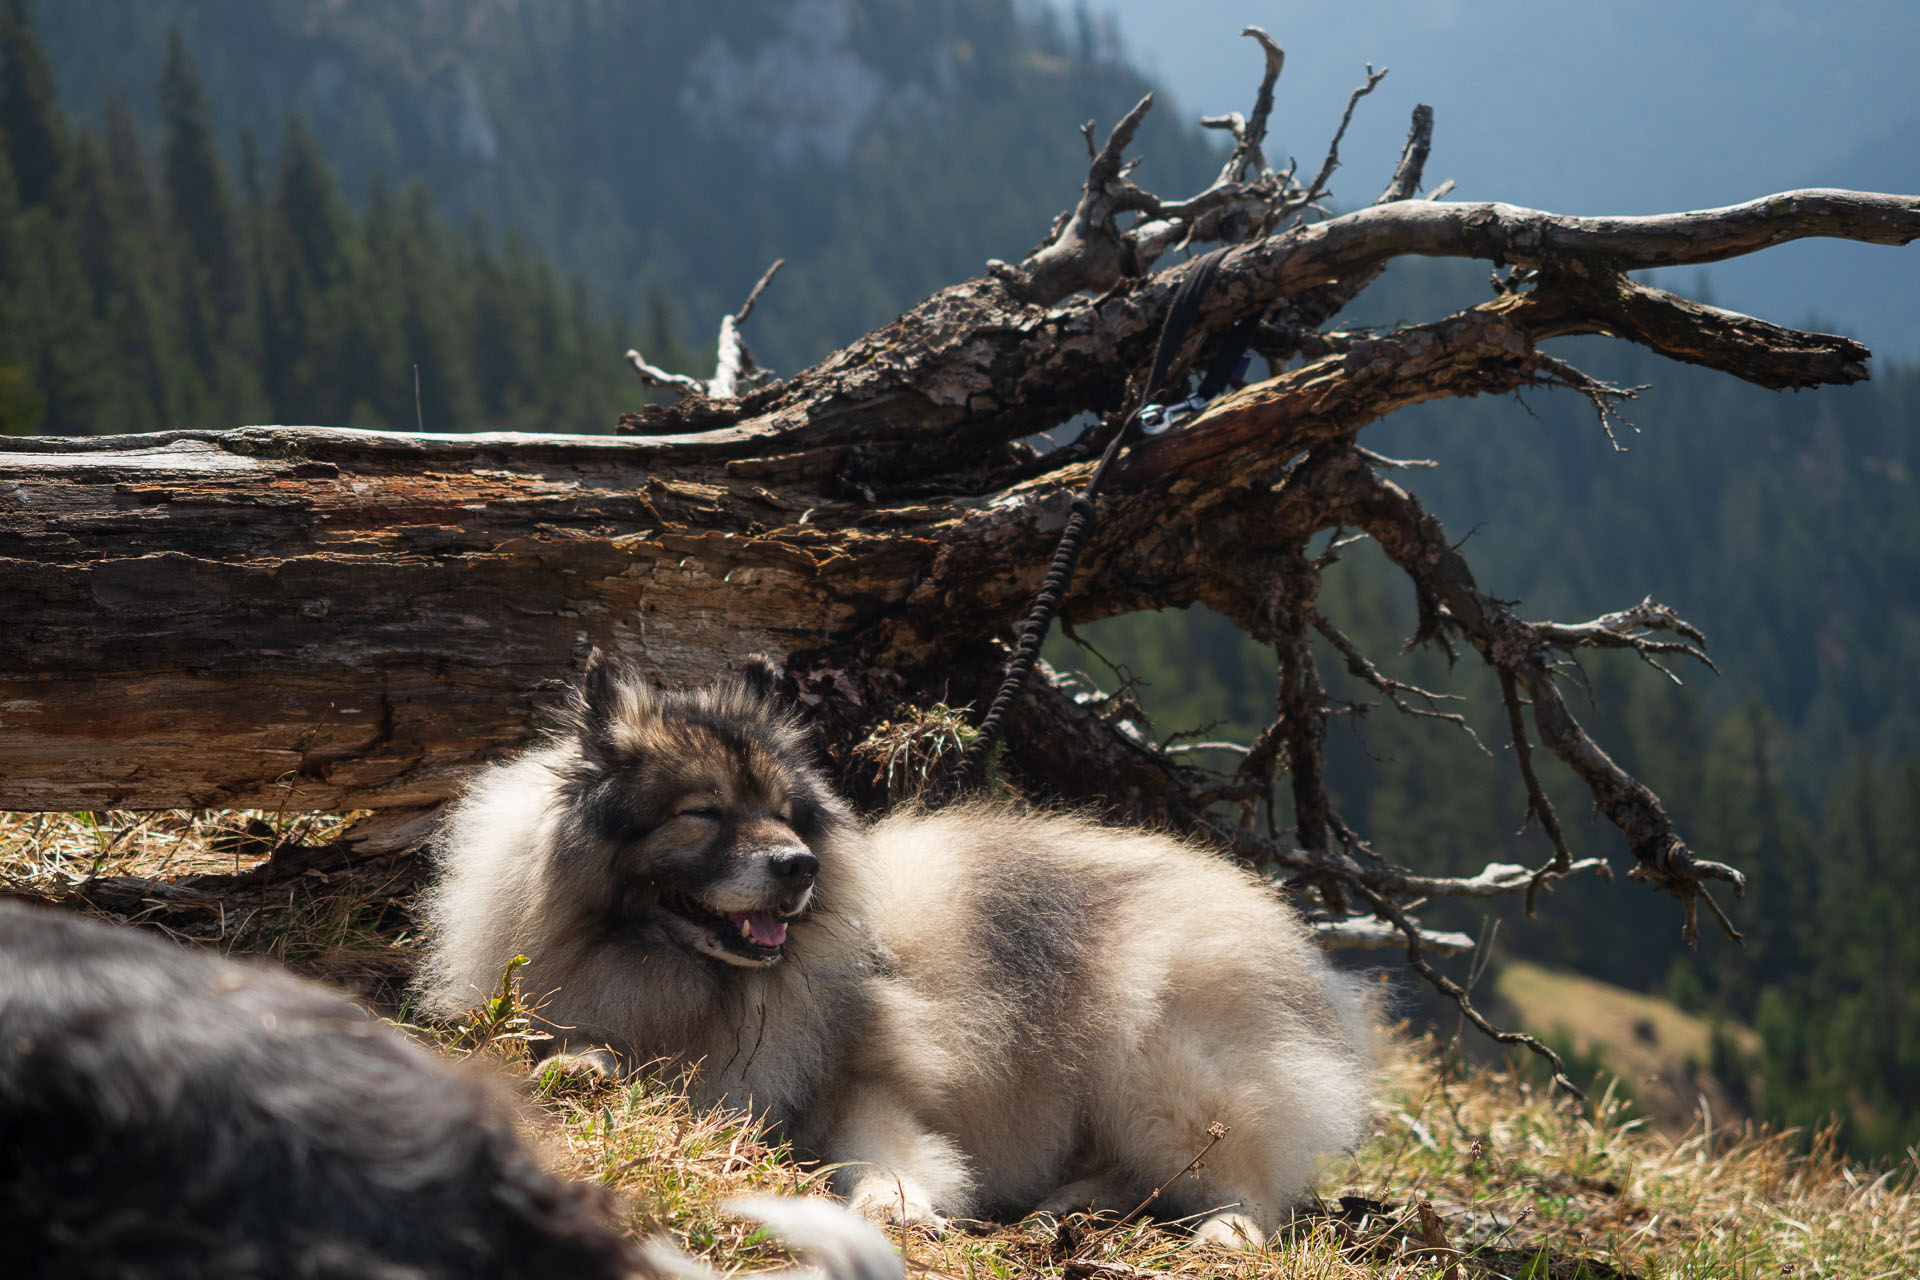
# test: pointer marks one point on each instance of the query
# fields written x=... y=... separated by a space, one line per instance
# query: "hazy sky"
x=1629 y=106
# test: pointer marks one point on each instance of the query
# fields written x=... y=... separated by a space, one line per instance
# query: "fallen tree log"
x=314 y=618
x=326 y=618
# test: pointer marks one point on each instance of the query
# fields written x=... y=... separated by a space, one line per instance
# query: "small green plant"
x=503 y=1018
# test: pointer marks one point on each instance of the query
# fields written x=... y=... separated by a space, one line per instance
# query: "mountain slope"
x=885 y=149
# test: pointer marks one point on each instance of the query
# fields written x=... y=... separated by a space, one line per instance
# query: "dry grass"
x=1522 y=1185
x=1502 y=1162
x=50 y=854
x=204 y=878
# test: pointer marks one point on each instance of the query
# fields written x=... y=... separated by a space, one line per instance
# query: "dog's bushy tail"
x=836 y=1242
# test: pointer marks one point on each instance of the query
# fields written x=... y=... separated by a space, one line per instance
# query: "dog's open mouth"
x=749 y=937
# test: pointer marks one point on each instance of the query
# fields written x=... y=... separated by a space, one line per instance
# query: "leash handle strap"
x=1181 y=312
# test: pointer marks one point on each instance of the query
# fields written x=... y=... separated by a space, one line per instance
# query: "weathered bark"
x=335 y=619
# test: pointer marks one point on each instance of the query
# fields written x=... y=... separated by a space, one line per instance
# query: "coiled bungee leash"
x=1144 y=417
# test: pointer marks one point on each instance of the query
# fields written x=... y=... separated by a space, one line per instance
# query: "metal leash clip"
x=1158 y=419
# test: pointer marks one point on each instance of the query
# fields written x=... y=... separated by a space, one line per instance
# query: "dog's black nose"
x=796 y=865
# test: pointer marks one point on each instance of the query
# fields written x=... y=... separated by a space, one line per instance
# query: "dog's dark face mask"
x=723 y=876
x=709 y=810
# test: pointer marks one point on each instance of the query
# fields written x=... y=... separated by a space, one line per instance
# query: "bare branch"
x=1362 y=669
x=1109 y=164
x=1538 y=806
x=1370 y=934
x=1293 y=328
x=1247 y=156
x=1087 y=250
x=1603 y=397
x=1628 y=629
x=1529 y=237
x=1298 y=704
x=734 y=364
x=1182 y=748
x=1413 y=158
x=1234 y=124
x=1318 y=187
x=760 y=287
x=1495 y=880
x=1458 y=994
x=1415 y=541
x=1396 y=464
x=1696 y=333
x=730 y=363
x=654 y=376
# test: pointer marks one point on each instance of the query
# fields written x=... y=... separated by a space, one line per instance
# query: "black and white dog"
x=166 y=1112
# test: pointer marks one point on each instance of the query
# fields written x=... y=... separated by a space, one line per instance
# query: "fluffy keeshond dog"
x=981 y=1010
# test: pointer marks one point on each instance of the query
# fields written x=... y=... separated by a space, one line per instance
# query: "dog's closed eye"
x=701 y=806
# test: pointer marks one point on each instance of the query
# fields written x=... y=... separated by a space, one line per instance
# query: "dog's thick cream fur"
x=985 y=1009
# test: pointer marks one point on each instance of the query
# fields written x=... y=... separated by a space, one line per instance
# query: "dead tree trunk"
x=320 y=618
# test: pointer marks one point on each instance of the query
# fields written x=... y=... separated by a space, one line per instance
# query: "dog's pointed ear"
x=596 y=687
x=760 y=676
x=590 y=708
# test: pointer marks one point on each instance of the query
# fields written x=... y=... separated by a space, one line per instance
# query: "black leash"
x=1181 y=311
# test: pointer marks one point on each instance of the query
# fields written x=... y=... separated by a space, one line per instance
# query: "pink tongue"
x=761 y=926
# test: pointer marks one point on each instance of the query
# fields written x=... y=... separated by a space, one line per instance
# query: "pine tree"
x=21 y=404
x=128 y=163
x=65 y=348
x=1755 y=823
x=314 y=217
x=319 y=373
x=132 y=386
x=500 y=334
x=436 y=294
x=198 y=199
x=29 y=119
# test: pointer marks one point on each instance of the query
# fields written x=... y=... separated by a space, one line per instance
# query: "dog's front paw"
x=1231 y=1230
x=892 y=1201
x=594 y=1064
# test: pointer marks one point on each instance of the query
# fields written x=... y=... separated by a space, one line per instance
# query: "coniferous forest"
x=175 y=255
x=153 y=285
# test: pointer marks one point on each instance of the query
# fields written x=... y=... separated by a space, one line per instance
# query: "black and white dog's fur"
x=165 y=1112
